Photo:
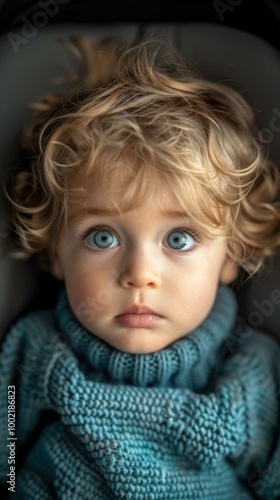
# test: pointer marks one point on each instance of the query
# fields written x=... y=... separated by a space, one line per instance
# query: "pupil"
x=103 y=239
x=177 y=240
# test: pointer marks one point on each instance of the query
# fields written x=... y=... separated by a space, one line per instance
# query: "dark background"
x=261 y=17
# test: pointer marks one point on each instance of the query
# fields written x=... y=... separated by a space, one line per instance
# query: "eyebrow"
x=94 y=211
x=83 y=214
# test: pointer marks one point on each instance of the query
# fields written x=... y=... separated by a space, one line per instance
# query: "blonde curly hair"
x=142 y=109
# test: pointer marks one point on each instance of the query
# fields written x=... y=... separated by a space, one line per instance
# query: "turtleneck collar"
x=188 y=362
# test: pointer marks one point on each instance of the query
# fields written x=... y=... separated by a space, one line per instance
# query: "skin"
x=140 y=267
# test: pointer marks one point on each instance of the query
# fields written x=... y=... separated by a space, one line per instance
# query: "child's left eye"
x=102 y=239
x=179 y=240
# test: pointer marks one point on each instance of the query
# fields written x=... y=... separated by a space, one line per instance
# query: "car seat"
x=33 y=55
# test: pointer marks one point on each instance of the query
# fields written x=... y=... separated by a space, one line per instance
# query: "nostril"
x=128 y=280
x=143 y=274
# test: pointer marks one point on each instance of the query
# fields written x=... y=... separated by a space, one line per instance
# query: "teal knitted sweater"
x=197 y=420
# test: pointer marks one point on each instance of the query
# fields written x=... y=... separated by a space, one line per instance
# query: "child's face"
x=143 y=279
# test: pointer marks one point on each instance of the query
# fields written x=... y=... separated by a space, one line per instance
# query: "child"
x=145 y=193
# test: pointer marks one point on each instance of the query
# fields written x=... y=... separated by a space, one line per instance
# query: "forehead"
x=124 y=192
x=124 y=187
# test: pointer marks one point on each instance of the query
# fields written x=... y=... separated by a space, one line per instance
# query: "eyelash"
x=196 y=235
x=82 y=236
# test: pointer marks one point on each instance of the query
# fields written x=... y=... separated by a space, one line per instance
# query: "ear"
x=228 y=272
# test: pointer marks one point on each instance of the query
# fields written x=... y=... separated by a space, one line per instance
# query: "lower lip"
x=139 y=320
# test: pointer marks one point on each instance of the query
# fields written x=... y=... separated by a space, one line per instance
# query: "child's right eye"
x=102 y=239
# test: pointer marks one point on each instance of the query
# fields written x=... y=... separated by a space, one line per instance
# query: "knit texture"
x=197 y=420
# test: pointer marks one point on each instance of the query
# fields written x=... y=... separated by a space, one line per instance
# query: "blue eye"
x=179 y=240
x=102 y=239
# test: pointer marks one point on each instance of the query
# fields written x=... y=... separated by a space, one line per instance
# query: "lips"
x=139 y=317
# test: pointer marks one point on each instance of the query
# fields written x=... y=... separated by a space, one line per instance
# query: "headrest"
x=34 y=56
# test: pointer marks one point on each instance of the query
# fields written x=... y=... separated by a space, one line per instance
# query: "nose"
x=140 y=269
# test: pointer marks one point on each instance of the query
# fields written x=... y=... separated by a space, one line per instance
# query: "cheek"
x=86 y=298
x=195 y=295
x=90 y=288
x=81 y=282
